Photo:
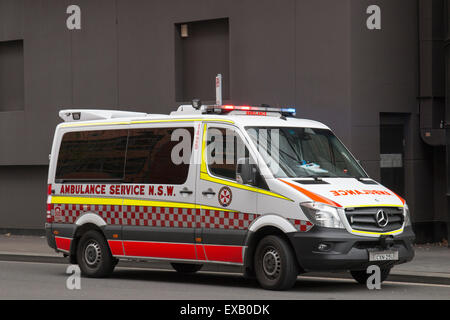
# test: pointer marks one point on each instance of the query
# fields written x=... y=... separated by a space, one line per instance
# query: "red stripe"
x=63 y=243
x=224 y=253
x=181 y=251
x=200 y=252
x=116 y=247
x=160 y=250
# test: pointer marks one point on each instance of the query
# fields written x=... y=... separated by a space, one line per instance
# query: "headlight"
x=406 y=215
x=322 y=215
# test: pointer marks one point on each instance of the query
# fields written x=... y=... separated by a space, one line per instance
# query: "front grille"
x=364 y=219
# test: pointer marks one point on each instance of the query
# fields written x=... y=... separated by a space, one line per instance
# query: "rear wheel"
x=186 y=267
x=361 y=276
x=275 y=264
x=93 y=255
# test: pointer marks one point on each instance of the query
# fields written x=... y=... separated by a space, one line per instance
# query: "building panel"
x=317 y=55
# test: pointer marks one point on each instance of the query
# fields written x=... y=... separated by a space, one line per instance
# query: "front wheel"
x=93 y=255
x=275 y=264
x=361 y=276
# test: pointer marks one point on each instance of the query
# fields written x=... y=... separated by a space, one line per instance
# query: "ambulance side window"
x=149 y=156
x=92 y=155
x=224 y=149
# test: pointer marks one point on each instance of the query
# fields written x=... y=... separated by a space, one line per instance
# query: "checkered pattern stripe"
x=214 y=219
x=68 y=213
x=160 y=217
x=164 y=217
x=301 y=225
x=186 y=218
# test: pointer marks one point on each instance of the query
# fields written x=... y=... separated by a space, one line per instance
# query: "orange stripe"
x=401 y=199
x=313 y=195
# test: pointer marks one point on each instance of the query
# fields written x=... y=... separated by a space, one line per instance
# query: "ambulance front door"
x=226 y=205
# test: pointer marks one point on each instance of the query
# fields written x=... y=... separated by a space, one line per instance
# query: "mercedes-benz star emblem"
x=382 y=218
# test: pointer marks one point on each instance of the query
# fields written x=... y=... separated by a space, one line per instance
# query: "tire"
x=275 y=264
x=93 y=255
x=186 y=267
x=361 y=276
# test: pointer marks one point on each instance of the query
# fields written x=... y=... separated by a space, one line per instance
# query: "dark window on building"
x=92 y=155
x=11 y=76
x=149 y=157
x=201 y=52
x=393 y=129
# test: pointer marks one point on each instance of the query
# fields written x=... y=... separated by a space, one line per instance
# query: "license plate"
x=383 y=255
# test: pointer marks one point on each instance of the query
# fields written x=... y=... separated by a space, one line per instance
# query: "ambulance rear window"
x=150 y=152
x=92 y=155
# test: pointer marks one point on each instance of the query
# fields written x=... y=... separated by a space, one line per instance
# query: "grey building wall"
x=317 y=55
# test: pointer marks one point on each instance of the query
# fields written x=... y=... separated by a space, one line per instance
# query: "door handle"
x=186 y=191
x=209 y=192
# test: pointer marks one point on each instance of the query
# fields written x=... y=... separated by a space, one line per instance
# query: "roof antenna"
x=219 y=90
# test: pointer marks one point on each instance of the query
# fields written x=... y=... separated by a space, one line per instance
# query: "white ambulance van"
x=293 y=200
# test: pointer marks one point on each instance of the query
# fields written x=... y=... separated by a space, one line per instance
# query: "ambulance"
x=136 y=186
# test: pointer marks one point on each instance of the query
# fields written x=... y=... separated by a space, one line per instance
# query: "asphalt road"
x=29 y=280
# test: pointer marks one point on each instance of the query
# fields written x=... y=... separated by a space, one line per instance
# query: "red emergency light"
x=251 y=110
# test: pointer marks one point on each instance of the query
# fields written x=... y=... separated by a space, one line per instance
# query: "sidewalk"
x=26 y=245
x=431 y=263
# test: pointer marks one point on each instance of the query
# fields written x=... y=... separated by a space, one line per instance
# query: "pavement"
x=431 y=263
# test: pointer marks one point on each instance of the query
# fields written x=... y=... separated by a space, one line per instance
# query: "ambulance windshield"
x=304 y=152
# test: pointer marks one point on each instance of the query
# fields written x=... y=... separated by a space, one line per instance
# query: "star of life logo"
x=225 y=196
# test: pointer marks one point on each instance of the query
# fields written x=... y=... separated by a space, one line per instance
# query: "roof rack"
x=71 y=115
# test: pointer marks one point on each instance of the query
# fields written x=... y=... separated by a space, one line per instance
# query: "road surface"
x=31 y=280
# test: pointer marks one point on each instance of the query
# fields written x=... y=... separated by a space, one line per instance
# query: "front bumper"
x=347 y=251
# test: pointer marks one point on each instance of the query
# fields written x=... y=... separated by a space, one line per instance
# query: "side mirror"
x=246 y=172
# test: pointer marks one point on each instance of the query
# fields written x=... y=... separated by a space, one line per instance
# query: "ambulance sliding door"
x=158 y=191
x=227 y=206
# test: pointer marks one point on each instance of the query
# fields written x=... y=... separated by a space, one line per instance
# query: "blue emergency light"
x=251 y=110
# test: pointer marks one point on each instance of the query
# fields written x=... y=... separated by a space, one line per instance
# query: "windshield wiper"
x=358 y=178
x=315 y=177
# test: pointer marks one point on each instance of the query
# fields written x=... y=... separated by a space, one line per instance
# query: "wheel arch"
x=84 y=223
x=272 y=220
x=90 y=218
x=268 y=225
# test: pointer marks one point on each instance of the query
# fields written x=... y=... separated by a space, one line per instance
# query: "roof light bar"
x=250 y=110
x=289 y=112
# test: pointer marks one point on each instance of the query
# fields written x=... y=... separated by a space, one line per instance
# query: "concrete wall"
x=315 y=54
